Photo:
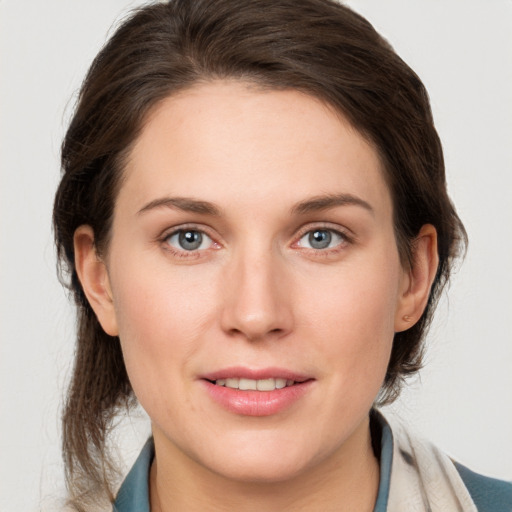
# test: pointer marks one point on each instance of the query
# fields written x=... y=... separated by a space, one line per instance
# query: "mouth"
x=245 y=384
x=257 y=392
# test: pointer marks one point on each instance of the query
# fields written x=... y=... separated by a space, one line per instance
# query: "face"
x=253 y=248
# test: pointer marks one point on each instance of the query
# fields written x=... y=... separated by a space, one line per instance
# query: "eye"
x=321 y=239
x=189 y=240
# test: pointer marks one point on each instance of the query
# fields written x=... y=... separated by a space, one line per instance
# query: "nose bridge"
x=257 y=305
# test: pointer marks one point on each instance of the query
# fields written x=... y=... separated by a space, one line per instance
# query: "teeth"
x=281 y=383
x=266 y=385
x=251 y=384
x=232 y=383
x=246 y=384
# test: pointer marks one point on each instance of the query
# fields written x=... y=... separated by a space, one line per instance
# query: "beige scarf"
x=423 y=479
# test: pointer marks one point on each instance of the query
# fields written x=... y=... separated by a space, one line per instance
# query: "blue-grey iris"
x=320 y=239
x=190 y=240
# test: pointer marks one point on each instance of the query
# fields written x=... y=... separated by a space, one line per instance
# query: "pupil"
x=190 y=240
x=320 y=239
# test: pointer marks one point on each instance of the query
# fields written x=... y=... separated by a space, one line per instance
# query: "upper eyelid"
x=327 y=226
x=344 y=237
x=337 y=231
x=166 y=233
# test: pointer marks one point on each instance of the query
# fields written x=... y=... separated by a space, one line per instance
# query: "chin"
x=263 y=461
x=262 y=470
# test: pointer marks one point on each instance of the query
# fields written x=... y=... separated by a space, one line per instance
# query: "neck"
x=348 y=480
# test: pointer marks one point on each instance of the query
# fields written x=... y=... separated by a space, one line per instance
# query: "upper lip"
x=256 y=374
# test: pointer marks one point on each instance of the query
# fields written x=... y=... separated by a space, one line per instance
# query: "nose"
x=257 y=301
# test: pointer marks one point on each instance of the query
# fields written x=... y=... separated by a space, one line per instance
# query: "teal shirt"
x=489 y=494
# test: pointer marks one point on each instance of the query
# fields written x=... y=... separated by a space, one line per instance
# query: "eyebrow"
x=325 y=202
x=314 y=204
x=186 y=204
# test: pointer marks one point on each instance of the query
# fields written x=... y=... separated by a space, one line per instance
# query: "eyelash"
x=346 y=239
x=183 y=253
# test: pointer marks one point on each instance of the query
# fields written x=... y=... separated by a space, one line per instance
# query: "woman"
x=255 y=219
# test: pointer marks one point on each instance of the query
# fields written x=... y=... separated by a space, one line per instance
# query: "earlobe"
x=418 y=281
x=93 y=276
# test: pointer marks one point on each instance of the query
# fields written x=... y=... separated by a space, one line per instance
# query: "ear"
x=415 y=288
x=93 y=276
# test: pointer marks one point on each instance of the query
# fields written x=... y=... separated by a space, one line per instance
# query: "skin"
x=256 y=294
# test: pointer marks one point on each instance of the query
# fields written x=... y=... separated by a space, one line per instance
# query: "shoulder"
x=489 y=494
x=418 y=473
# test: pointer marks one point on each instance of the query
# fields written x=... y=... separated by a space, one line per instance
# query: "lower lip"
x=257 y=403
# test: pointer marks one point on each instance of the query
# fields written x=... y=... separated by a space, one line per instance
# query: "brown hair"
x=316 y=46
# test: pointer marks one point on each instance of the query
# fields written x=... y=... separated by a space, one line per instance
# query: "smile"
x=263 y=392
x=245 y=384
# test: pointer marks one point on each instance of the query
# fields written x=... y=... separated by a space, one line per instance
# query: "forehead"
x=229 y=143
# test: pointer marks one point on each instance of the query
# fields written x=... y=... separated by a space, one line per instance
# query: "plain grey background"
x=460 y=48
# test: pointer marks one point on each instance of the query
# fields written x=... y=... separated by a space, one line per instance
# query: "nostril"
x=256 y=316
x=256 y=335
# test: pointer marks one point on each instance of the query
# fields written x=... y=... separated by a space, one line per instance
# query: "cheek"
x=155 y=301
x=161 y=317
x=358 y=299
x=351 y=318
